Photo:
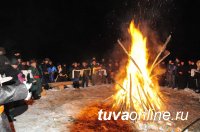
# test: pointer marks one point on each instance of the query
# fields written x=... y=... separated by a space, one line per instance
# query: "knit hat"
x=13 y=61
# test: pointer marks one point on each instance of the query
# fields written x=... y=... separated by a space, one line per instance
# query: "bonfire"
x=138 y=91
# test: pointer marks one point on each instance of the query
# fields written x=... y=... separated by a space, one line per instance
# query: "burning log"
x=162 y=50
x=139 y=67
x=167 y=54
x=129 y=56
x=134 y=62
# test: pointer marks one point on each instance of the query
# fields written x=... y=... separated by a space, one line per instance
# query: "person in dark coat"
x=12 y=70
x=45 y=74
x=94 y=72
x=52 y=71
x=182 y=76
x=162 y=77
x=36 y=80
x=196 y=74
x=116 y=67
x=110 y=73
x=76 y=72
x=171 y=69
x=177 y=65
x=10 y=93
x=86 y=74
x=191 y=79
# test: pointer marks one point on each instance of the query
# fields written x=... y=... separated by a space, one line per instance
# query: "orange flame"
x=138 y=91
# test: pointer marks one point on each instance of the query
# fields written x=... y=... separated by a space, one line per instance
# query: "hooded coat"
x=8 y=94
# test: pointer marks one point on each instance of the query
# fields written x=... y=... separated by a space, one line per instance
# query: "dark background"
x=75 y=30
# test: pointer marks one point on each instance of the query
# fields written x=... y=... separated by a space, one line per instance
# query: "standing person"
x=177 y=65
x=76 y=75
x=103 y=62
x=86 y=74
x=45 y=74
x=182 y=75
x=191 y=79
x=69 y=71
x=36 y=80
x=171 y=74
x=110 y=73
x=102 y=74
x=51 y=70
x=94 y=68
x=162 y=77
x=196 y=74
x=116 y=67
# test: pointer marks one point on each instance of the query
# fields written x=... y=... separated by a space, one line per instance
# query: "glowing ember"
x=137 y=92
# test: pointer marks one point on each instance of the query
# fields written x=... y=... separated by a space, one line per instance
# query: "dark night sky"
x=79 y=29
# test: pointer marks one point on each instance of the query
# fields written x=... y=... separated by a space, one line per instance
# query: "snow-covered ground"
x=57 y=111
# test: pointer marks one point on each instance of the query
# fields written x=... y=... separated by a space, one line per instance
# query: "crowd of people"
x=40 y=74
x=79 y=73
x=178 y=74
x=181 y=75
